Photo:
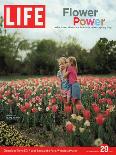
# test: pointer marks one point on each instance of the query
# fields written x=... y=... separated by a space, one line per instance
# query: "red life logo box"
x=24 y=16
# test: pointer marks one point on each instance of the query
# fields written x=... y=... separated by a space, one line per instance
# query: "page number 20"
x=104 y=149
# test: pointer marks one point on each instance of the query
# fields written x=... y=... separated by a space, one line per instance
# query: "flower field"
x=36 y=103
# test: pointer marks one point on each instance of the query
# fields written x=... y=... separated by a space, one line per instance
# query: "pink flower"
x=111 y=93
x=70 y=127
x=38 y=99
x=9 y=101
x=1 y=97
x=109 y=101
x=100 y=119
x=79 y=107
x=22 y=108
x=33 y=100
x=95 y=108
x=95 y=95
x=67 y=108
x=103 y=94
x=34 y=110
x=26 y=96
x=53 y=100
x=107 y=112
x=27 y=105
x=54 y=108
x=7 y=93
x=48 y=108
x=73 y=100
x=102 y=100
x=86 y=114
x=60 y=98
x=49 y=90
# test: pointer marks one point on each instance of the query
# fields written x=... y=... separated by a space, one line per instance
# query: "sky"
x=54 y=17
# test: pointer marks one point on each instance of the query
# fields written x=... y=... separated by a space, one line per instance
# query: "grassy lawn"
x=103 y=75
x=17 y=77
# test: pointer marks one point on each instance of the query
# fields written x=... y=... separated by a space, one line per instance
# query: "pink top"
x=72 y=74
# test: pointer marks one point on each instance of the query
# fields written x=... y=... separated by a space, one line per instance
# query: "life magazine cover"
x=57 y=76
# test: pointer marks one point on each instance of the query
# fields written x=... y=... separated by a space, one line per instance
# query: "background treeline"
x=20 y=56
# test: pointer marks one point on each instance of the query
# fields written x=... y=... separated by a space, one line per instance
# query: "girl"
x=65 y=87
x=71 y=73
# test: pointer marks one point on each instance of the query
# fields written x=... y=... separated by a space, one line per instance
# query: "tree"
x=42 y=57
x=10 y=44
x=103 y=56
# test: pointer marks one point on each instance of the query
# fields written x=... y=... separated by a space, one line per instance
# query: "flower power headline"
x=90 y=15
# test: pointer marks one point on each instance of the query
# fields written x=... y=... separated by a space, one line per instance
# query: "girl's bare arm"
x=66 y=74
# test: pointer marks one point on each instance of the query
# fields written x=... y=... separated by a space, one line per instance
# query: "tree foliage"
x=43 y=54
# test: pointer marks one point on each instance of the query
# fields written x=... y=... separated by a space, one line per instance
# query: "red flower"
x=73 y=100
x=34 y=110
x=54 y=108
x=22 y=108
x=49 y=90
x=111 y=93
x=86 y=114
x=38 y=99
x=27 y=105
x=9 y=101
x=26 y=96
x=103 y=94
x=109 y=101
x=7 y=93
x=95 y=108
x=67 y=108
x=94 y=105
x=100 y=119
x=60 y=98
x=53 y=100
x=1 y=97
x=48 y=108
x=79 y=107
x=44 y=94
x=100 y=101
x=70 y=127
x=95 y=95
x=107 y=112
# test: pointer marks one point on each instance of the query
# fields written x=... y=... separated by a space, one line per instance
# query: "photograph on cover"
x=58 y=73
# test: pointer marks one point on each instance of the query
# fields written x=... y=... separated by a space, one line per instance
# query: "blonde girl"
x=65 y=87
x=71 y=74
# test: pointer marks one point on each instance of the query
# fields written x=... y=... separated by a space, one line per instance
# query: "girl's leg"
x=74 y=108
x=64 y=96
x=68 y=98
x=76 y=94
x=68 y=103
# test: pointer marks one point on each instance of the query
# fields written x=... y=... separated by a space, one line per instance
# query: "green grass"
x=103 y=75
x=17 y=77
